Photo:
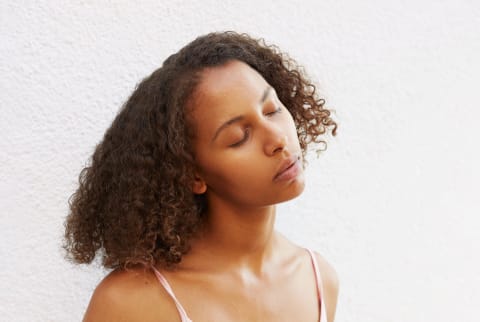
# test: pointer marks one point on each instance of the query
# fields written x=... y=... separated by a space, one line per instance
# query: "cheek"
x=289 y=124
x=232 y=170
x=225 y=168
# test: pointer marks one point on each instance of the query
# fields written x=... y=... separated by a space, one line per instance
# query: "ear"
x=199 y=185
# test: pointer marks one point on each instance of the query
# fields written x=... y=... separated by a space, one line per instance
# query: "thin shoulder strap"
x=318 y=280
x=166 y=286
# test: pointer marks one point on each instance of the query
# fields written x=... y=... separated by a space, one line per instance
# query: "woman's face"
x=246 y=146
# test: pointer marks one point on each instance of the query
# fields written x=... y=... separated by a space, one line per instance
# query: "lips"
x=289 y=169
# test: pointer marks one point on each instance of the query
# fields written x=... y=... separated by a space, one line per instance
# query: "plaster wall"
x=392 y=204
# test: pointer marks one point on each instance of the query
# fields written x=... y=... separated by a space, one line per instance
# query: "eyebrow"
x=265 y=94
x=240 y=117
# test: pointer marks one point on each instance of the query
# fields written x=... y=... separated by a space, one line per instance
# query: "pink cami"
x=318 y=280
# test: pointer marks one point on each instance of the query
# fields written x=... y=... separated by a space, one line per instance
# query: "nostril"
x=280 y=144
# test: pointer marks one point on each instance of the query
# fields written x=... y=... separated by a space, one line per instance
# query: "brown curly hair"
x=134 y=203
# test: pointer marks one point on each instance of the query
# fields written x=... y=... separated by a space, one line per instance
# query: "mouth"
x=289 y=169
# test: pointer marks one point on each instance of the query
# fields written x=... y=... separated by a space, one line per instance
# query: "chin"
x=294 y=190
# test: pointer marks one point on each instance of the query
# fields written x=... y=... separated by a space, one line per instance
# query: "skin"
x=239 y=267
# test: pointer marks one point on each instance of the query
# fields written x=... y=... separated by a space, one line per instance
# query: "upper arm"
x=129 y=296
x=330 y=286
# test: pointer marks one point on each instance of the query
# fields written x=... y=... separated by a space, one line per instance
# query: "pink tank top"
x=318 y=279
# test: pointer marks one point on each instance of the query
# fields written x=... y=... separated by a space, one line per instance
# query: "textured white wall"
x=393 y=204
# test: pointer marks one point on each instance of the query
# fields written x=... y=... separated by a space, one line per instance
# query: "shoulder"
x=130 y=295
x=328 y=274
x=330 y=283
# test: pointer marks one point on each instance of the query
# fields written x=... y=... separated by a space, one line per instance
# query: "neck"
x=237 y=237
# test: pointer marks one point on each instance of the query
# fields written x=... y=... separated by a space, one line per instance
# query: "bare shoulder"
x=329 y=276
x=130 y=295
x=330 y=285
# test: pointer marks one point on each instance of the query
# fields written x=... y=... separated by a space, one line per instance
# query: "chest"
x=217 y=298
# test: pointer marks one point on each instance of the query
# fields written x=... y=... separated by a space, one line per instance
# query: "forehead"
x=224 y=92
x=230 y=82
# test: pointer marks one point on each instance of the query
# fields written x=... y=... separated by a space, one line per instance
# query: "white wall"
x=393 y=204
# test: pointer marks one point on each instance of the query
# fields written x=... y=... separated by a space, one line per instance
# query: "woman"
x=180 y=195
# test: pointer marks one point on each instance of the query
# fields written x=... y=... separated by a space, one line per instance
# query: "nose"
x=276 y=139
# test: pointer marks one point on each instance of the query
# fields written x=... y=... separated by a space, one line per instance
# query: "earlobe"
x=199 y=185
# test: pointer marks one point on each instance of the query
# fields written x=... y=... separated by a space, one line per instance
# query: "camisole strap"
x=166 y=286
x=318 y=279
x=320 y=292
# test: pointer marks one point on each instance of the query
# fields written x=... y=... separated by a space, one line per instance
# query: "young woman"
x=180 y=195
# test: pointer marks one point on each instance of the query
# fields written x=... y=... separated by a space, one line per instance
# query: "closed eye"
x=278 y=110
x=246 y=134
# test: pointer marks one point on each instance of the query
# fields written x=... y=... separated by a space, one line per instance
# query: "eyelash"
x=245 y=137
x=247 y=130
x=278 y=110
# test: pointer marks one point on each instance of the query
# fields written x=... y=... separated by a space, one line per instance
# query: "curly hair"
x=134 y=203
